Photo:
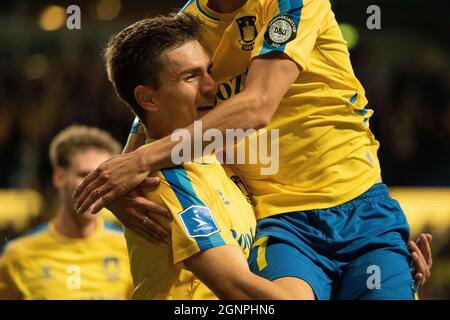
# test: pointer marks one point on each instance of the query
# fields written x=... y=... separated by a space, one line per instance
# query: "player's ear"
x=145 y=96
x=59 y=178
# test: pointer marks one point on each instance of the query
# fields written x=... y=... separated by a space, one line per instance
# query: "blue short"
x=357 y=250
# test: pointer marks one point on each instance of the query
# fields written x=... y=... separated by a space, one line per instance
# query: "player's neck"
x=228 y=6
x=70 y=227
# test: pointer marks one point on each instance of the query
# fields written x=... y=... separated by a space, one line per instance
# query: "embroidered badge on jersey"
x=281 y=30
x=46 y=272
x=241 y=185
x=111 y=266
x=248 y=32
x=198 y=221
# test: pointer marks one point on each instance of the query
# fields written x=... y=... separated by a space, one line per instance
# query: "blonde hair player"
x=72 y=257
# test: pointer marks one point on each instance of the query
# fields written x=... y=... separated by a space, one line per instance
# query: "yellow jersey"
x=208 y=210
x=46 y=265
x=327 y=153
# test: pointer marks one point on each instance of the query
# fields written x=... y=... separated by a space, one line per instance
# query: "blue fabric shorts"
x=357 y=250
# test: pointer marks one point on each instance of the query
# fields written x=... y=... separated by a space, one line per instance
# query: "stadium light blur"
x=52 y=18
x=36 y=66
x=351 y=35
x=19 y=207
x=108 y=9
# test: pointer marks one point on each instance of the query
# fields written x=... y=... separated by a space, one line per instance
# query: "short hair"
x=77 y=137
x=132 y=57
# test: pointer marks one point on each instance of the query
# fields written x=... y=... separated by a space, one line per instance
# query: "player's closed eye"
x=190 y=77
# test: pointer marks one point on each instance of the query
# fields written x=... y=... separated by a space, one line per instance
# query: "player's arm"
x=225 y=271
x=269 y=77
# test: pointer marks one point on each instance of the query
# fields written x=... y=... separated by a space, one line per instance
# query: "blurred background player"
x=72 y=256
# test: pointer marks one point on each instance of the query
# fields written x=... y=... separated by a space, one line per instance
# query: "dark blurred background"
x=51 y=77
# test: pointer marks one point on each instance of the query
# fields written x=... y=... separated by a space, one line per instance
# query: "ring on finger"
x=145 y=221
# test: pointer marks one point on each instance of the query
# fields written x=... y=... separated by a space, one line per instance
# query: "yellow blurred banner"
x=422 y=206
x=18 y=207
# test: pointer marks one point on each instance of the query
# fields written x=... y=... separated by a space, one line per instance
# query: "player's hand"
x=112 y=179
x=140 y=215
x=421 y=255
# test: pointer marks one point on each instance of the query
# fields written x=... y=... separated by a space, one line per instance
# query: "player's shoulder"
x=26 y=243
x=285 y=5
x=181 y=179
x=113 y=234
x=113 y=228
x=193 y=175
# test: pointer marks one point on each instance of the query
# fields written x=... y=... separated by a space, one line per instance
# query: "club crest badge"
x=281 y=30
x=248 y=32
x=111 y=267
x=240 y=184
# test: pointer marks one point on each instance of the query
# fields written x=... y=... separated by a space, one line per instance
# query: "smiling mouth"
x=207 y=107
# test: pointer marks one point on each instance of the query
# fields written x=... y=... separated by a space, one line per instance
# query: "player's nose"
x=209 y=86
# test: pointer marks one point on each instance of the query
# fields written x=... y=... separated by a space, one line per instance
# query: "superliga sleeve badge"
x=280 y=30
x=198 y=221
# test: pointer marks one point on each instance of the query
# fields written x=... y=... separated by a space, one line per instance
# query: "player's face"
x=81 y=164
x=187 y=91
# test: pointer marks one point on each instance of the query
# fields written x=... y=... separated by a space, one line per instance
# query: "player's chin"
x=202 y=113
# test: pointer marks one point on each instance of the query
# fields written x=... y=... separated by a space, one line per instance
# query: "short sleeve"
x=292 y=27
x=199 y=223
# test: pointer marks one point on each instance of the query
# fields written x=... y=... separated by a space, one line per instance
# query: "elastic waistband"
x=376 y=191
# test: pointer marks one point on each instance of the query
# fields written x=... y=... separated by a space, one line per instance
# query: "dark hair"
x=132 y=55
x=77 y=137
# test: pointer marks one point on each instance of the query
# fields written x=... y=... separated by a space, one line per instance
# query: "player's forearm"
x=253 y=287
x=243 y=111
x=240 y=112
x=225 y=271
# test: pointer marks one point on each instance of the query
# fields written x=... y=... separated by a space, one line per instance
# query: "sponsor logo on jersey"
x=46 y=272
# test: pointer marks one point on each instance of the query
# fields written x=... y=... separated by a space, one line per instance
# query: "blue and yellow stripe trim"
x=291 y=8
x=181 y=185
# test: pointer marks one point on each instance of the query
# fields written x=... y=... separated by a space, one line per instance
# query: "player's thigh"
x=382 y=274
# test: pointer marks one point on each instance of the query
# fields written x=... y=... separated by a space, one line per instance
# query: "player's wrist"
x=145 y=158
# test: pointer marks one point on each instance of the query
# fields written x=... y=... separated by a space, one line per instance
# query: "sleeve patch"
x=280 y=30
x=198 y=222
